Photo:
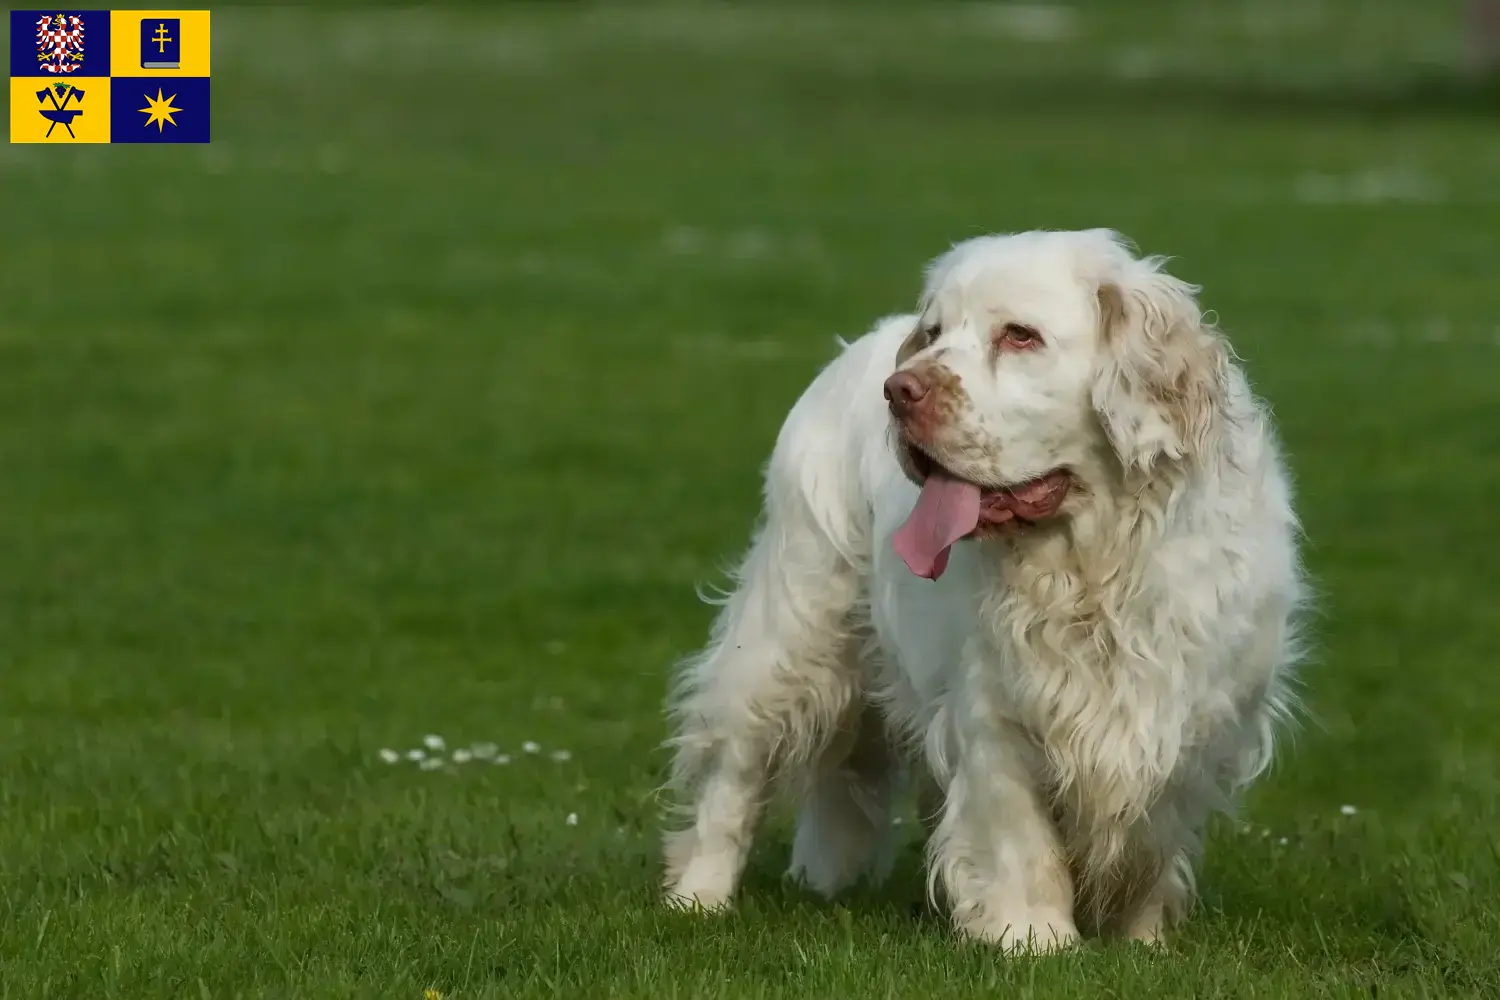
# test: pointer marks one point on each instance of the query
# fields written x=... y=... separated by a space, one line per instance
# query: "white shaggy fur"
x=1078 y=697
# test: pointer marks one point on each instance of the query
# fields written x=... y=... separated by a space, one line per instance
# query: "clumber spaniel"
x=1052 y=566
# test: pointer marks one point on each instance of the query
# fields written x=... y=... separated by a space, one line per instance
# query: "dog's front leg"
x=996 y=852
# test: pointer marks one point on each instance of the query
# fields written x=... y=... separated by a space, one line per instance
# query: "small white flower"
x=531 y=747
x=389 y=756
x=462 y=756
x=572 y=819
x=484 y=751
x=431 y=764
x=896 y=821
x=1282 y=841
x=1348 y=810
x=502 y=758
x=433 y=742
x=562 y=755
x=415 y=754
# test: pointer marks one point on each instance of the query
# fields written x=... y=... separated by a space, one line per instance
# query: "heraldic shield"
x=121 y=76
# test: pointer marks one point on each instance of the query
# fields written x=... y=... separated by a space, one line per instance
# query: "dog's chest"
x=1103 y=691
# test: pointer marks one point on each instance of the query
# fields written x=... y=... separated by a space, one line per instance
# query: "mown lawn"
x=420 y=400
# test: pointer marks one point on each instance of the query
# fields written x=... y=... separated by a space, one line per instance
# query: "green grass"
x=422 y=398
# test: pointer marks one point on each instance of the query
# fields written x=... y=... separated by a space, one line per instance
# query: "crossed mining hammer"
x=60 y=114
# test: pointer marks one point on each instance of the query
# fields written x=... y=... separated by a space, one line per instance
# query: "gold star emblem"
x=160 y=110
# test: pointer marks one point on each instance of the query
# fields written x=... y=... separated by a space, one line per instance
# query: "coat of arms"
x=59 y=42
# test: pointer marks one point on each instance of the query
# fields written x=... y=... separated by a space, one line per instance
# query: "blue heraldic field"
x=101 y=76
x=145 y=109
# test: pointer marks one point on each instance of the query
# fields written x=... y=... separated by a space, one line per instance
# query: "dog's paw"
x=702 y=886
x=829 y=874
x=1032 y=934
x=680 y=898
x=1148 y=927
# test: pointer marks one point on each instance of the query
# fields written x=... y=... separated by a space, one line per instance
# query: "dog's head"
x=1037 y=358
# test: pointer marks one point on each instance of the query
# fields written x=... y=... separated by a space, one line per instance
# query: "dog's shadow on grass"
x=1327 y=897
x=1321 y=899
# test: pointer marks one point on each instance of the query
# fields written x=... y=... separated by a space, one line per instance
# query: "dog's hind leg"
x=844 y=827
x=781 y=668
x=765 y=696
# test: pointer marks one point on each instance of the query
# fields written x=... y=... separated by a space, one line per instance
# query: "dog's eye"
x=1018 y=336
x=931 y=333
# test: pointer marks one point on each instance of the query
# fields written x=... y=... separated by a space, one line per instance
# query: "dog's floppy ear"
x=1161 y=387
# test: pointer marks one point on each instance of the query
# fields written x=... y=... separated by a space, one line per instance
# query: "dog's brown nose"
x=905 y=391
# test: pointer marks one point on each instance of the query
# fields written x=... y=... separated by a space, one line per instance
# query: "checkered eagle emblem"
x=59 y=42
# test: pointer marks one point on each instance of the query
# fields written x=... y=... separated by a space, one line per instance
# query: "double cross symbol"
x=60 y=114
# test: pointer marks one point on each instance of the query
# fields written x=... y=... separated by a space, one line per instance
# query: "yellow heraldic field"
x=125 y=47
x=87 y=98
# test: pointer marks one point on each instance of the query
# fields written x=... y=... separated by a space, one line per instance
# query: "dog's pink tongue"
x=947 y=510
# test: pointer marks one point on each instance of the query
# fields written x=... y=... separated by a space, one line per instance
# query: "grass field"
x=421 y=399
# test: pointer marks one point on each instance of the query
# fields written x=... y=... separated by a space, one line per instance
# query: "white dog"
x=1088 y=647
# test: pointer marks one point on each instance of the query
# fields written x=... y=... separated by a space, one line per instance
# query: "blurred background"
x=419 y=401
